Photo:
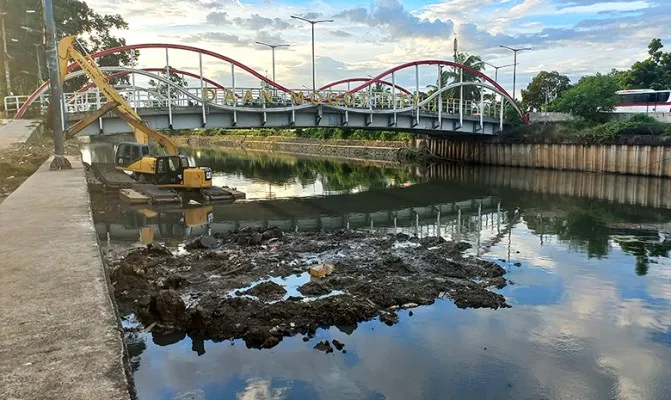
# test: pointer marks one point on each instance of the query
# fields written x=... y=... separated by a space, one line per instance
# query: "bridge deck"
x=60 y=337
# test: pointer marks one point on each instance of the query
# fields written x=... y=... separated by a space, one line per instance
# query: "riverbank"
x=389 y=151
x=60 y=333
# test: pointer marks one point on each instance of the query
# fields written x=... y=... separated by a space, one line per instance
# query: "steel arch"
x=75 y=74
x=330 y=85
x=120 y=49
x=449 y=64
x=178 y=71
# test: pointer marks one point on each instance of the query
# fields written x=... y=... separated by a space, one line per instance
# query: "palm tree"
x=451 y=75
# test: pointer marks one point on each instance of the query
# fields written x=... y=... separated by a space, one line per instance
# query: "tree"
x=590 y=97
x=544 y=86
x=452 y=75
x=162 y=89
x=72 y=17
x=653 y=72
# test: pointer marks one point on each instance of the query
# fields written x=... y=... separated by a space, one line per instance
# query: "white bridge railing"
x=365 y=101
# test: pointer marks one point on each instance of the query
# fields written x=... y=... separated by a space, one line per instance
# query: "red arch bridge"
x=392 y=100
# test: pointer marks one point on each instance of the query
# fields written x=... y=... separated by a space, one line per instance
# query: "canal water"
x=588 y=255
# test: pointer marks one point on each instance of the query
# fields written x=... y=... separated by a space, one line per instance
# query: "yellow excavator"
x=171 y=170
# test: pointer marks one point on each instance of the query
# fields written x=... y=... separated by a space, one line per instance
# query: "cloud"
x=257 y=22
x=392 y=16
x=217 y=18
x=342 y=34
x=219 y=37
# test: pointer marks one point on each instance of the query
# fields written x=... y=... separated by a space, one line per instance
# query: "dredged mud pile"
x=255 y=284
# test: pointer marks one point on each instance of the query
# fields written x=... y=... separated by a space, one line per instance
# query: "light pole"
x=515 y=63
x=496 y=69
x=55 y=87
x=273 y=47
x=312 y=23
x=6 y=56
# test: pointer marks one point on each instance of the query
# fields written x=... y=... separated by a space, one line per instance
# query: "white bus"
x=644 y=101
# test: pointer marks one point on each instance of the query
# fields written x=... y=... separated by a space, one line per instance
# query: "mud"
x=240 y=288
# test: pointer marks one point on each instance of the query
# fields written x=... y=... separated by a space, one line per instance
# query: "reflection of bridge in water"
x=466 y=201
x=414 y=207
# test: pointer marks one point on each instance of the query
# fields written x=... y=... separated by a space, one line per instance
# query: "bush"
x=643 y=118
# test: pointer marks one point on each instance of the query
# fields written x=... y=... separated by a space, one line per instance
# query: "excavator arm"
x=67 y=52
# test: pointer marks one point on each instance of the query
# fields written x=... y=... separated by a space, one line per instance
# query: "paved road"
x=59 y=335
x=16 y=131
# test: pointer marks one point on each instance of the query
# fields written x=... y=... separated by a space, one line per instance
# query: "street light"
x=515 y=63
x=312 y=23
x=273 y=47
x=496 y=69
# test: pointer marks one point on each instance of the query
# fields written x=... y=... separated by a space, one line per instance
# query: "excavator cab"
x=169 y=170
x=128 y=152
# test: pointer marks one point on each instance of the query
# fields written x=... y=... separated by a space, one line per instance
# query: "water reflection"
x=591 y=293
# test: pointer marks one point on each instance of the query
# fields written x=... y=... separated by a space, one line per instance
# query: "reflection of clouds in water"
x=592 y=344
x=259 y=389
x=659 y=277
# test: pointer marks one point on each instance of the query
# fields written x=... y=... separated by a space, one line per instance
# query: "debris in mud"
x=203 y=242
x=199 y=293
x=265 y=291
x=339 y=346
x=313 y=288
x=389 y=318
x=324 y=346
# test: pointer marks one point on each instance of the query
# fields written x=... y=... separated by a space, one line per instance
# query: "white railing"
x=93 y=99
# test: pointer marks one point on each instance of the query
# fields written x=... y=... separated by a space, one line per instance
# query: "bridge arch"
x=193 y=49
x=499 y=88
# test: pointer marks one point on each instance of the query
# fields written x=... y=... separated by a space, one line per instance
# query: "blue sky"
x=573 y=37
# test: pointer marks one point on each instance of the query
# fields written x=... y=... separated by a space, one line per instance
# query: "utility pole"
x=515 y=63
x=5 y=54
x=311 y=22
x=55 y=87
x=496 y=70
x=273 y=47
x=39 y=63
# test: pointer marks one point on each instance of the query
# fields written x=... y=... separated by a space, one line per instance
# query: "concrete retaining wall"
x=647 y=160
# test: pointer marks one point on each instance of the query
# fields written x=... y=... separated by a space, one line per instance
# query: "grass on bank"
x=588 y=132
x=19 y=161
x=310 y=133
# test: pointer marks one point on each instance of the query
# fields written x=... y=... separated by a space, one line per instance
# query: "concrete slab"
x=59 y=337
x=17 y=131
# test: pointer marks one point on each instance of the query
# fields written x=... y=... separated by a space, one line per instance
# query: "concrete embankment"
x=17 y=131
x=60 y=336
x=637 y=158
x=352 y=149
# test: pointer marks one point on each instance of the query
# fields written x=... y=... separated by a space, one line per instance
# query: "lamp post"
x=55 y=87
x=273 y=47
x=8 y=81
x=312 y=23
x=515 y=62
x=496 y=69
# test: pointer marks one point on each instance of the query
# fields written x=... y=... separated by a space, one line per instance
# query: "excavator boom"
x=67 y=52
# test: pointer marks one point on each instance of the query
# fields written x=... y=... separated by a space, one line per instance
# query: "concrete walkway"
x=17 y=131
x=59 y=336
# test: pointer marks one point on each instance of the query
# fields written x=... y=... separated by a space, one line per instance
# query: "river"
x=588 y=256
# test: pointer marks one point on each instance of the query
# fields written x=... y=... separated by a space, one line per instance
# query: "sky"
x=572 y=37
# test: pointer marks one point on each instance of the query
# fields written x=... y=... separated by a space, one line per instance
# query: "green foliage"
x=651 y=73
x=162 y=89
x=311 y=133
x=452 y=75
x=643 y=118
x=545 y=85
x=590 y=97
x=73 y=17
